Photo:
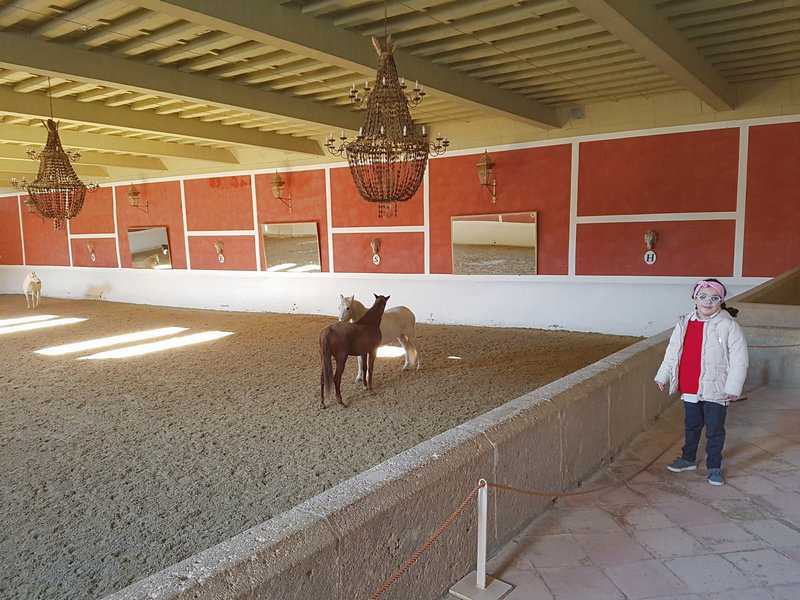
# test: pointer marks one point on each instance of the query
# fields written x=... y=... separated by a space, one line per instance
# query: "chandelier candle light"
x=389 y=154
x=57 y=192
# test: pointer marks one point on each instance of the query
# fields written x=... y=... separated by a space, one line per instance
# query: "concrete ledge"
x=344 y=542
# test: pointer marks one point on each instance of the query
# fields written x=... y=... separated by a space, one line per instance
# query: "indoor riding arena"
x=381 y=300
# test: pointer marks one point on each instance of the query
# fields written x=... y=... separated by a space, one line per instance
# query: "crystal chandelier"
x=388 y=156
x=57 y=192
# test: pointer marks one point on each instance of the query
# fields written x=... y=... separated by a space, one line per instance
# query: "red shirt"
x=689 y=368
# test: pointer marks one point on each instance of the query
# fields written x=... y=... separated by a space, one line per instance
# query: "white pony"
x=32 y=288
x=397 y=324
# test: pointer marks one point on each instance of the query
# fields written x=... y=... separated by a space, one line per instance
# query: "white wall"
x=621 y=305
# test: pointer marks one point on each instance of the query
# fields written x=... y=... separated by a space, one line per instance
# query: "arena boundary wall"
x=620 y=305
x=344 y=542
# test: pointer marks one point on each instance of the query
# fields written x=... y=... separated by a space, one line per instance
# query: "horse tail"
x=327 y=368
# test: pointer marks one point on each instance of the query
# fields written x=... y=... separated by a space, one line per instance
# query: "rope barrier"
x=447 y=523
x=424 y=547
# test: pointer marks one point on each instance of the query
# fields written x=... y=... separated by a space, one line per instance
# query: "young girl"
x=706 y=360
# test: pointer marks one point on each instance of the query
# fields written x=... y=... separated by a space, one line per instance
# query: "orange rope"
x=424 y=547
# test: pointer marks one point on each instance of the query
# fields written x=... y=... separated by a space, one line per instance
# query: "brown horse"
x=341 y=340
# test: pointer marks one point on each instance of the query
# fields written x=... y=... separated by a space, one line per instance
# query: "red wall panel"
x=10 y=242
x=533 y=179
x=349 y=209
x=97 y=214
x=689 y=248
x=681 y=172
x=44 y=245
x=219 y=203
x=105 y=252
x=771 y=243
x=400 y=253
x=307 y=192
x=164 y=210
x=239 y=252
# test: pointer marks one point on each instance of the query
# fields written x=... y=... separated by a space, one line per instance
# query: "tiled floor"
x=674 y=536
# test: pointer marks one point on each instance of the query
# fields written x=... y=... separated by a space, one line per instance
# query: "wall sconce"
x=90 y=249
x=376 y=249
x=650 y=239
x=278 y=185
x=219 y=247
x=486 y=174
x=136 y=200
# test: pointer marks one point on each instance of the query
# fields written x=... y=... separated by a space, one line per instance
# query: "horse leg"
x=360 y=370
x=322 y=386
x=27 y=301
x=412 y=342
x=370 y=368
x=337 y=377
x=407 y=358
x=362 y=366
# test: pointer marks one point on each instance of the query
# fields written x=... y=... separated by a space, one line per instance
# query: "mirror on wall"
x=494 y=244
x=149 y=248
x=292 y=247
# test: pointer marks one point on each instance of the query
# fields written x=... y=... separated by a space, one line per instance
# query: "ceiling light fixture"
x=389 y=155
x=57 y=193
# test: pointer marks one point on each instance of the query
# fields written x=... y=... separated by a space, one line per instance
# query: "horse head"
x=346 y=307
x=380 y=301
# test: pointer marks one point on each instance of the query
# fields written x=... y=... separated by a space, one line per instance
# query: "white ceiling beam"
x=20 y=134
x=286 y=27
x=639 y=25
x=49 y=58
x=30 y=166
x=145 y=163
x=84 y=16
x=155 y=39
x=105 y=33
x=37 y=105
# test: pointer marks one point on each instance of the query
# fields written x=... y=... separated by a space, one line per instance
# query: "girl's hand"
x=731 y=398
x=661 y=386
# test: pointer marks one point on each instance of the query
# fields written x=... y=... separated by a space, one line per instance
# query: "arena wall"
x=344 y=542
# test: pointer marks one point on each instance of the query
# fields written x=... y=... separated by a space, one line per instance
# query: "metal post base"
x=466 y=589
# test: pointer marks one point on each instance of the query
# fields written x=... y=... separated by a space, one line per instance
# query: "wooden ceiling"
x=138 y=83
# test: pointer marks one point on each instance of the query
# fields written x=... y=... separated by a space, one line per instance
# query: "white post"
x=483 y=504
x=476 y=585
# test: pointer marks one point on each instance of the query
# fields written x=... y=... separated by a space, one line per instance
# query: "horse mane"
x=374 y=314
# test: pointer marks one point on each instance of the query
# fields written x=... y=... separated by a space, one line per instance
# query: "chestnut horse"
x=340 y=340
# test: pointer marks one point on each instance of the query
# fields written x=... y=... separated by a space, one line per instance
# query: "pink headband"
x=717 y=287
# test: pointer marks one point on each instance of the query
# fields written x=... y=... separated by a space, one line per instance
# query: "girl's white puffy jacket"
x=723 y=362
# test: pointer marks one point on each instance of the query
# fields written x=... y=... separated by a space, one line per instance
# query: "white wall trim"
x=256 y=224
x=597 y=137
x=741 y=201
x=21 y=229
x=573 y=208
x=185 y=226
x=389 y=229
x=329 y=215
x=90 y=236
x=116 y=227
x=426 y=220
x=646 y=218
x=229 y=233
x=69 y=244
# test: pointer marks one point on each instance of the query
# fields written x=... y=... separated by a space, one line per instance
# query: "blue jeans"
x=711 y=416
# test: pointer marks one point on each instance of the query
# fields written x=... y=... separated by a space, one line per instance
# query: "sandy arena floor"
x=114 y=469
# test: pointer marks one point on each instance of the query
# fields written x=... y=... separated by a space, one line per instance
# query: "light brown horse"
x=341 y=340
